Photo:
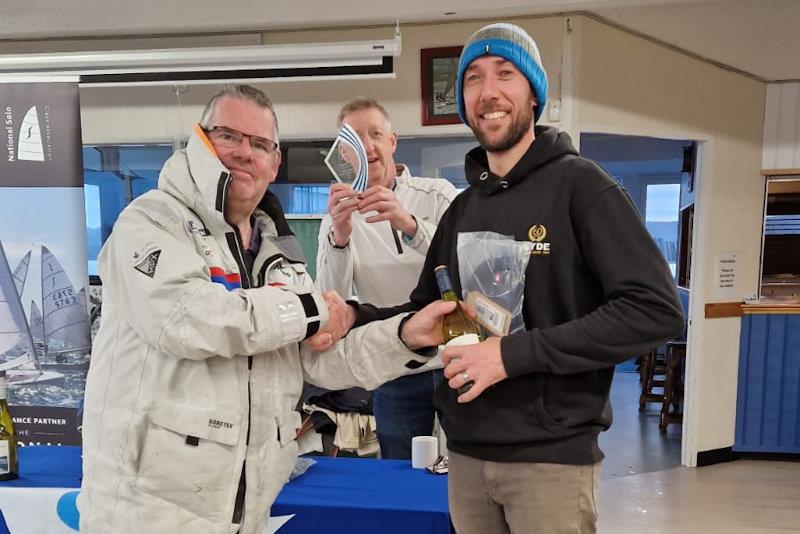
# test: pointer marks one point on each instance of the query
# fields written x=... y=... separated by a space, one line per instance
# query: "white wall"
x=305 y=110
x=782 y=127
x=631 y=86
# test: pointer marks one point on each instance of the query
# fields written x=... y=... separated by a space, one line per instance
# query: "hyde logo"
x=536 y=235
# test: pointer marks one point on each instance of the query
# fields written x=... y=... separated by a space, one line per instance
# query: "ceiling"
x=758 y=37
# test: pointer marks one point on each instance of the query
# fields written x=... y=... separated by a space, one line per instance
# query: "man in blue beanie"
x=524 y=454
x=523 y=439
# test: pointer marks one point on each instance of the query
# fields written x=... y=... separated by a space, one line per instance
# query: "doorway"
x=659 y=176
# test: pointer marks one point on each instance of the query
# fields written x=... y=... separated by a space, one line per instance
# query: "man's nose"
x=489 y=88
x=368 y=144
x=243 y=150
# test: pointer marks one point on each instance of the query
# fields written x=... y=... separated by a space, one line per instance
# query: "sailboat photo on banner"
x=18 y=355
x=44 y=320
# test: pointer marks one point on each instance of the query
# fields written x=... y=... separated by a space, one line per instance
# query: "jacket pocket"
x=189 y=458
x=288 y=425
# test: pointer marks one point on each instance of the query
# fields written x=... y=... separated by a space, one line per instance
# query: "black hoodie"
x=597 y=292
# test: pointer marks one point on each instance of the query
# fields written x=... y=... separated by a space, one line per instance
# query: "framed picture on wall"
x=438 y=69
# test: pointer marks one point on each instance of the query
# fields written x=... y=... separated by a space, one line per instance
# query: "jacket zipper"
x=396 y=236
x=235 y=244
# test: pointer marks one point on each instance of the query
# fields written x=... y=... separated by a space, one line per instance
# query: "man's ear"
x=278 y=157
x=393 y=139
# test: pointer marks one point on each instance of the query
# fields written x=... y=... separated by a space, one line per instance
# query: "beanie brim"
x=512 y=52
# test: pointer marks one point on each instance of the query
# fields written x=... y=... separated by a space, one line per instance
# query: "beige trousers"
x=522 y=498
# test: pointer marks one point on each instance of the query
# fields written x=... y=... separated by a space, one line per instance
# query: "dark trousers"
x=403 y=409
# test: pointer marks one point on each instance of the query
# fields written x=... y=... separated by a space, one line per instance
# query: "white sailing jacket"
x=197 y=366
x=378 y=263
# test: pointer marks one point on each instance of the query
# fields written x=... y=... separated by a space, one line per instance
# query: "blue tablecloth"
x=357 y=495
x=48 y=467
x=335 y=495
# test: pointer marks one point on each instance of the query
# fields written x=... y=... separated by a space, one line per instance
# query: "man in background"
x=372 y=245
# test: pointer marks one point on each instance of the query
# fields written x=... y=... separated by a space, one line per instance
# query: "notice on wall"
x=726 y=277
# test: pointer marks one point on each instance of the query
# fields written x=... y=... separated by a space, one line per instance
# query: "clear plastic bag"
x=494 y=265
x=301 y=465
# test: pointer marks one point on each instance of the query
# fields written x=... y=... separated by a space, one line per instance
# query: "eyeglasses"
x=230 y=138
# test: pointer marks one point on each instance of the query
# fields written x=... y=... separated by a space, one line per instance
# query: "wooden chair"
x=671 y=411
x=652 y=371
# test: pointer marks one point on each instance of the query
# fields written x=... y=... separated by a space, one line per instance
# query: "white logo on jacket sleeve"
x=282 y=275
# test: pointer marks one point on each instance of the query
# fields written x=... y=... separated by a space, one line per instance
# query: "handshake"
x=423 y=329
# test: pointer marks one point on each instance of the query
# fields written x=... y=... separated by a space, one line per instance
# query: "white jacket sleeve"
x=443 y=195
x=177 y=308
x=367 y=357
x=334 y=265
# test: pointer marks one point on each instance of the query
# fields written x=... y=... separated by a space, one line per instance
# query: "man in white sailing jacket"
x=374 y=245
x=189 y=421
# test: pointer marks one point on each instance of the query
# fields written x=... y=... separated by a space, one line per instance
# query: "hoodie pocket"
x=189 y=458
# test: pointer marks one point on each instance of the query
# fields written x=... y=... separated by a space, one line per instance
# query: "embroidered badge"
x=536 y=235
x=194 y=228
x=281 y=275
x=148 y=264
x=231 y=281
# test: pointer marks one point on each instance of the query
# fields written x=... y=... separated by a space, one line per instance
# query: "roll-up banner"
x=44 y=322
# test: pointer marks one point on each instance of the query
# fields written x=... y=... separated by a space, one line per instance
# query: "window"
x=113 y=176
x=661 y=219
x=780 y=256
x=440 y=157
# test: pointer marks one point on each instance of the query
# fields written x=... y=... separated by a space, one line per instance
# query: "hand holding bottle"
x=481 y=364
x=424 y=328
x=459 y=327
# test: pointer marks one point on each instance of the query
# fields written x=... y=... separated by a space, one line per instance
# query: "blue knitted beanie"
x=512 y=43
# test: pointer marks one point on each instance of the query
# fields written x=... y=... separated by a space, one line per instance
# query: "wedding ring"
x=465 y=377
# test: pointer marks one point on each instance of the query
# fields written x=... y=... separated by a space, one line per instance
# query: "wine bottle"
x=8 y=438
x=458 y=327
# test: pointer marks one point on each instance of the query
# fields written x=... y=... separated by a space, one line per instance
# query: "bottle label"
x=5 y=459
x=463 y=339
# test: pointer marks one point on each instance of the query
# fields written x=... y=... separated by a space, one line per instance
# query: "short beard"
x=519 y=127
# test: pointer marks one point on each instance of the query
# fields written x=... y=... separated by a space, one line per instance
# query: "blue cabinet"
x=768 y=399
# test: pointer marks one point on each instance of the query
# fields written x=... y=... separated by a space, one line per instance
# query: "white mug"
x=424 y=451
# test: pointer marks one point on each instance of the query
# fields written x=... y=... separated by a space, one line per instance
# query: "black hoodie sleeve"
x=641 y=307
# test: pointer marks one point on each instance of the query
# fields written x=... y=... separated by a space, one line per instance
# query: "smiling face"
x=499 y=102
x=379 y=141
x=252 y=173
